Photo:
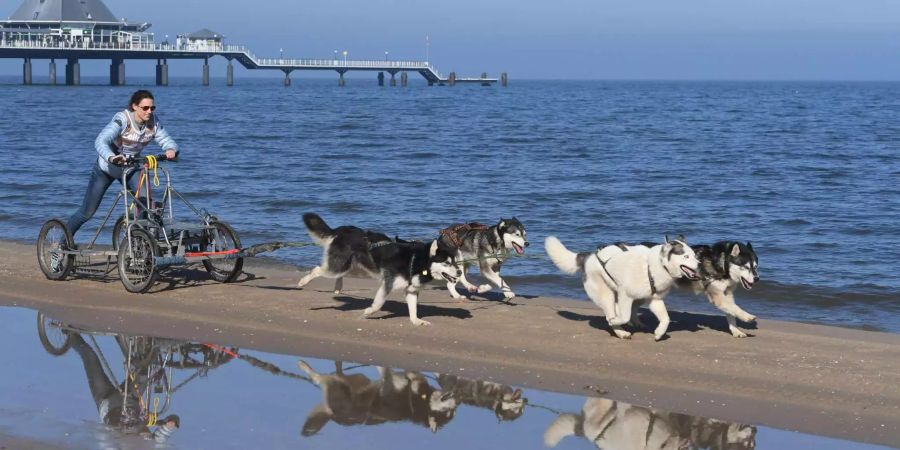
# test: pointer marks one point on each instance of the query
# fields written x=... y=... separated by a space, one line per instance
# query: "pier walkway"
x=163 y=52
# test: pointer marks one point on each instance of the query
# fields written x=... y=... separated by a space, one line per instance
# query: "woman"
x=126 y=135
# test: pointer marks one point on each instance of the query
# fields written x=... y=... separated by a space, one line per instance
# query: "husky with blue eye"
x=723 y=266
x=616 y=276
x=397 y=264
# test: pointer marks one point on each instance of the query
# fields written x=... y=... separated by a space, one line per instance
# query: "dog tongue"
x=518 y=248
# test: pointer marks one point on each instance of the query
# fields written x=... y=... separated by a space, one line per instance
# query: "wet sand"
x=816 y=379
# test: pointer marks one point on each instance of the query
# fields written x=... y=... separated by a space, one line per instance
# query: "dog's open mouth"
x=691 y=274
x=518 y=248
x=448 y=278
x=747 y=284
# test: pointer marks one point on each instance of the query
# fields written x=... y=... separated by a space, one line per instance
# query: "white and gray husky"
x=397 y=264
x=616 y=425
x=723 y=266
x=474 y=242
x=615 y=276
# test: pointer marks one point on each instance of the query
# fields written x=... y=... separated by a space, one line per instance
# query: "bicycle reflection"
x=611 y=424
x=134 y=405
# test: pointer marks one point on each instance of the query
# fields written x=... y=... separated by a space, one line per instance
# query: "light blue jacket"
x=107 y=147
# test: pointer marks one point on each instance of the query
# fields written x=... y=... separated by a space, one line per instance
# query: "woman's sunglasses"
x=148 y=108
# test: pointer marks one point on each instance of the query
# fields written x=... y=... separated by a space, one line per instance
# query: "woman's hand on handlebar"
x=118 y=160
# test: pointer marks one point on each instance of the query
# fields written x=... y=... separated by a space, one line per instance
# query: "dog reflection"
x=616 y=425
x=506 y=402
x=355 y=399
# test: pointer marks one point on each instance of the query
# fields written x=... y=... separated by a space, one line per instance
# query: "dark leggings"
x=97 y=186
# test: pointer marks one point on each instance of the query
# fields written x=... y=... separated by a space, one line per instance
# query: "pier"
x=162 y=53
x=74 y=30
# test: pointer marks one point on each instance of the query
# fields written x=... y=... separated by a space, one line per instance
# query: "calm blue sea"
x=808 y=172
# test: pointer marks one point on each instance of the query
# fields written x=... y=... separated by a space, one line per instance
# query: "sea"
x=806 y=171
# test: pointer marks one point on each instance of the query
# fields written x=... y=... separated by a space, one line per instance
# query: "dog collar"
x=652 y=284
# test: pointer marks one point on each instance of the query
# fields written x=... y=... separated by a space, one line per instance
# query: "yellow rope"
x=151 y=164
x=151 y=417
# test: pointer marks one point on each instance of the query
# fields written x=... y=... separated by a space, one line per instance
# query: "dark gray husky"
x=397 y=264
x=487 y=246
x=723 y=266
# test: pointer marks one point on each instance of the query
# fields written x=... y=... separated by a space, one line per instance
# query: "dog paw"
x=509 y=295
x=749 y=318
x=659 y=337
x=420 y=322
x=337 y=291
x=368 y=312
x=738 y=334
x=485 y=288
x=456 y=295
x=301 y=284
x=622 y=334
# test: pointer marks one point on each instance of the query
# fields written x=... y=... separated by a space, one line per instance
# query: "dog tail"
x=566 y=260
x=319 y=231
x=564 y=425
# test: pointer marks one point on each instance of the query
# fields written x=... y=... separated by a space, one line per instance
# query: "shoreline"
x=823 y=380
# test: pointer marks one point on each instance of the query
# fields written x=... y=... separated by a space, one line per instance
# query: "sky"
x=562 y=39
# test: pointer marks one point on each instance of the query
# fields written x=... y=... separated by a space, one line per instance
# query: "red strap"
x=225 y=252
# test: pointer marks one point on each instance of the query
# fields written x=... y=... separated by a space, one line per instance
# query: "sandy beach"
x=821 y=380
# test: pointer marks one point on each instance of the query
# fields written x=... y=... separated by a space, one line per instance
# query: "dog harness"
x=452 y=231
x=653 y=290
x=378 y=244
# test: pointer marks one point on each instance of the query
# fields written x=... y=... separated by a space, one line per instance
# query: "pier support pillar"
x=206 y=71
x=117 y=72
x=229 y=74
x=26 y=71
x=381 y=78
x=73 y=72
x=504 y=80
x=341 y=79
x=393 y=79
x=287 y=78
x=483 y=77
x=164 y=73
x=451 y=79
x=403 y=79
x=52 y=72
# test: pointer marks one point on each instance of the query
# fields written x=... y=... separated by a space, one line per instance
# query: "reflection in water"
x=403 y=396
x=506 y=402
x=348 y=396
x=355 y=399
x=134 y=405
x=616 y=425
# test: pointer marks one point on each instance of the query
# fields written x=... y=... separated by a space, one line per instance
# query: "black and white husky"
x=723 y=266
x=486 y=245
x=397 y=264
x=615 y=276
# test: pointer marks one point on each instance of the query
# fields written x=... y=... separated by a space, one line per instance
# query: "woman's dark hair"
x=138 y=96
